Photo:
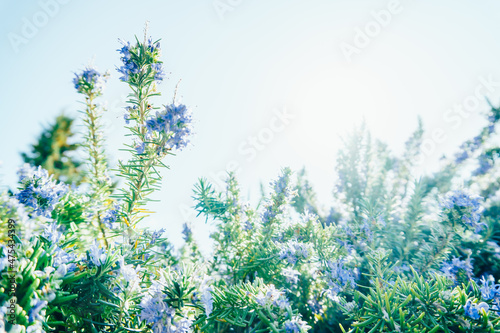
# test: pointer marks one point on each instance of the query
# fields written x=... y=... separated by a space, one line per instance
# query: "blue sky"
x=271 y=83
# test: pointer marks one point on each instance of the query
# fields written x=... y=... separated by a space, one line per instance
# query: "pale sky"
x=271 y=83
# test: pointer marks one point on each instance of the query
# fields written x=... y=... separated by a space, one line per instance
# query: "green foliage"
x=55 y=152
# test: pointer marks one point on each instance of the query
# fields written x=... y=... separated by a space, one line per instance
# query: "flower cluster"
x=156 y=312
x=272 y=296
x=283 y=194
x=90 y=81
x=172 y=126
x=141 y=58
x=296 y=325
x=97 y=254
x=468 y=148
x=38 y=190
x=64 y=259
x=338 y=279
x=291 y=275
x=206 y=295
x=187 y=232
x=130 y=274
x=292 y=251
x=485 y=165
x=51 y=233
x=466 y=205
x=110 y=216
x=451 y=269
x=490 y=291
x=475 y=310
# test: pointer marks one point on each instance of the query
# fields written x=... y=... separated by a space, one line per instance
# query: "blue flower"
x=295 y=325
x=110 y=216
x=338 y=278
x=38 y=190
x=129 y=67
x=51 y=233
x=489 y=290
x=293 y=251
x=282 y=195
x=154 y=309
x=173 y=125
x=159 y=74
x=133 y=57
x=247 y=225
x=272 y=296
x=129 y=272
x=291 y=275
x=450 y=269
x=187 y=232
x=206 y=295
x=127 y=118
x=475 y=311
x=461 y=156
x=366 y=228
x=61 y=257
x=183 y=325
x=485 y=165
x=491 y=128
x=97 y=254
x=157 y=234
x=468 y=205
x=152 y=46
x=34 y=312
x=90 y=81
x=140 y=147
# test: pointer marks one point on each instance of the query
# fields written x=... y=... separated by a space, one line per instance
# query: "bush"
x=394 y=254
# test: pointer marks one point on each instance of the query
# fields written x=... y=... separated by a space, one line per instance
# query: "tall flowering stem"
x=154 y=136
x=90 y=83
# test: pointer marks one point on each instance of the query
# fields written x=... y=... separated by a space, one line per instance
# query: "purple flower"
x=272 y=296
x=282 y=195
x=90 y=81
x=468 y=205
x=51 y=233
x=135 y=58
x=173 y=125
x=475 y=311
x=157 y=234
x=450 y=269
x=291 y=275
x=110 y=216
x=154 y=309
x=187 y=232
x=159 y=74
x=295 y=325
x=293 y=251
x=34 y=312
x=489 y=290
x=183 y=325
x=485 y=165
x=338 y=278
x=38 y=190
x=97 y=254
x=140 y=147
